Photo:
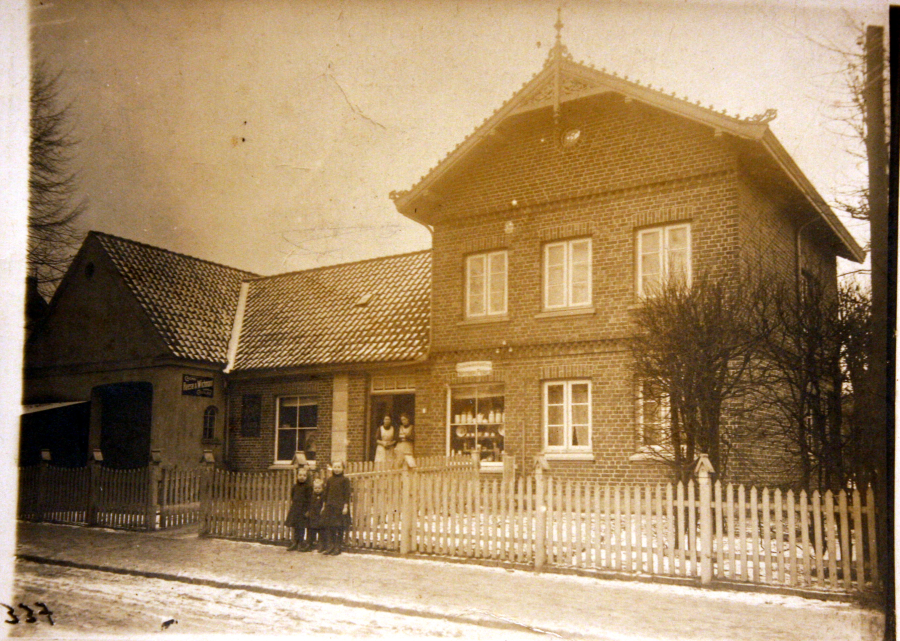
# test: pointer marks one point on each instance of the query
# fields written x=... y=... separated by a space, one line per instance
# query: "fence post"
x=94 y=486
x=406 y=524
x=702 y=469
x=153 y=479
x=540 y=517
x=206 y=481
x=41 y=484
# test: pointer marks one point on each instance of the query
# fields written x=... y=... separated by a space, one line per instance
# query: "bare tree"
x=802 y=382
x=694 y=351
x=53 y=203
x=860 y=448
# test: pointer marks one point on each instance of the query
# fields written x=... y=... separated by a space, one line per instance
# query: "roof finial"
x=558 y=25
x=558 y=51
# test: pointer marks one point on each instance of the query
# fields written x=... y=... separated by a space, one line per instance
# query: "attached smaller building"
x=141 y=334
x=318 y=357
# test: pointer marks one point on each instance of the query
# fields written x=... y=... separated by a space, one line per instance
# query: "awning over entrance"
x=41 y=407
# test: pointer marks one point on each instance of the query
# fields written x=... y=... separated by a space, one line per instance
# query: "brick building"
x=549 y=222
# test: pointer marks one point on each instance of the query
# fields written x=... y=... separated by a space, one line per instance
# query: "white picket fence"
x=696 y=530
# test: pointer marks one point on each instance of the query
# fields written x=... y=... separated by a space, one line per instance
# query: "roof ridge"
x=353 y=262
x=94 y=232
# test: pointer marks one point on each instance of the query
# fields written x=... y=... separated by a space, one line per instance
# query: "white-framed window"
x=209 y=423
x=486 y=284
x=663 y=253
x=653 y=417
x=296 y=419
x=567 y=416
x=567 y=274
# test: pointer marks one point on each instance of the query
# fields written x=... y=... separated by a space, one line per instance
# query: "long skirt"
x=384 y=454
x=401 y=450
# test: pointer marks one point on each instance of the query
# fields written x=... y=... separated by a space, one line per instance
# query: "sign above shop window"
x=196 y=385
x=474 y=368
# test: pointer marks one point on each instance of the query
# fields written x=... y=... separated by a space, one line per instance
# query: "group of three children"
x=320 y=511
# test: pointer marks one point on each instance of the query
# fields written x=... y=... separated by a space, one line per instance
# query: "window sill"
x=281 y=465
x=568 y=311
x=210 y=441
x=483 y=320
x=569 y=456
x=650 y=454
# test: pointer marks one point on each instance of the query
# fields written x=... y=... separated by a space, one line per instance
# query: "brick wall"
x=256 y=453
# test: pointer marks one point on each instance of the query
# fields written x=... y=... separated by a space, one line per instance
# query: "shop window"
x=296 y=421
x=477 y=418
x=567 y=416
x=486 y=284
x=209 y=423
x=567 y=274
x=663 y=254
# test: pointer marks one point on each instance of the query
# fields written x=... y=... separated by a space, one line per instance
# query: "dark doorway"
x=61 y=428
x=125 y=413
x=393 y=405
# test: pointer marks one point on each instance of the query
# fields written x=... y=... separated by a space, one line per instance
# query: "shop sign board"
x=196 y=385
x=474 y=368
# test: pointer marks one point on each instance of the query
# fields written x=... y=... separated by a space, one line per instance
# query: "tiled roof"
x=191 y=302
x=368 y=311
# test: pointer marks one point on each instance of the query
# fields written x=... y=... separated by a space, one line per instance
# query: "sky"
x=267 y=135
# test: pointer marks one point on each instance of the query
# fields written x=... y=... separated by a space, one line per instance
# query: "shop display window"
x=477 y=414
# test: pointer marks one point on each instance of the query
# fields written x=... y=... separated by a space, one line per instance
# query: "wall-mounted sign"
x=474 y=368
x=196 y=385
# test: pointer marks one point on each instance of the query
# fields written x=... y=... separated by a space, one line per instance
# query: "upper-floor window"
x=567 y=274
x=486 y=284
x=663 y=254
x=209 y=423
x=567 y=416
x=297 y=419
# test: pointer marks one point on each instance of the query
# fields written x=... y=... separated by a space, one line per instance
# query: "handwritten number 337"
x=29 y=613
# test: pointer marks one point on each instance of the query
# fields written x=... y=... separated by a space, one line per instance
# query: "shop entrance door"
x=392 y=405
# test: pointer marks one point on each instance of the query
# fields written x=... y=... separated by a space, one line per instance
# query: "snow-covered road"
x=127 y=583
x=90 y=603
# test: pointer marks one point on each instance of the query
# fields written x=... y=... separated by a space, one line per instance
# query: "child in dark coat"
x=316 y=523
x=297 y=516
x=336 y=511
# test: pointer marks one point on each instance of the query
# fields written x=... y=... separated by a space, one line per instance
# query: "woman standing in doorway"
x=387 y=439
x=405 y=437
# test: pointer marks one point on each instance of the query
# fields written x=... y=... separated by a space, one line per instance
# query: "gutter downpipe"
x=430 y=291
x=232 y=354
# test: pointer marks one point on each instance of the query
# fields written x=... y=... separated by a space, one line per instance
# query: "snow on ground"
x=95 y=604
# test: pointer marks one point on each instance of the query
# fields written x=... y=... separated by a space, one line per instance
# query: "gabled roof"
x=191 y=302
x=562 y=80
x=369 y=311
